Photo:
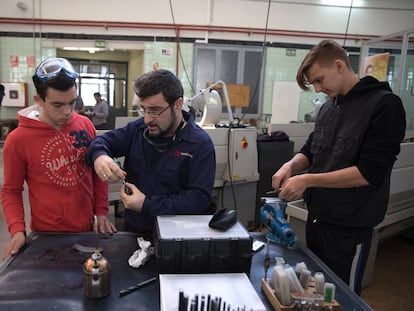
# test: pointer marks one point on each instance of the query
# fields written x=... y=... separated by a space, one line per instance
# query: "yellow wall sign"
x=376 y=66
x=239 y=94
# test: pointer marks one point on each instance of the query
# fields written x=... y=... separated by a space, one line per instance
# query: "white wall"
x=287 y=19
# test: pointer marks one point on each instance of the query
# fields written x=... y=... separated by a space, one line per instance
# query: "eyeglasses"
x=51 y=68
x=153 y=112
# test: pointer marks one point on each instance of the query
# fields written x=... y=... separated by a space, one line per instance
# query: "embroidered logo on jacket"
x=183 y=154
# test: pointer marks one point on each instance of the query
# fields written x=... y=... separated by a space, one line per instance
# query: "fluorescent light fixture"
x=90 y=50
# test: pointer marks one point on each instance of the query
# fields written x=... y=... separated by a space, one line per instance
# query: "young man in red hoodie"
x=47 y=150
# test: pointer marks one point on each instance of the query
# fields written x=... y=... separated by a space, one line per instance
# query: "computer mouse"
x=223 y=219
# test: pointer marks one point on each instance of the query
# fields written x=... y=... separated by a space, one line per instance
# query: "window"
x=232 y=65
x=107 y=78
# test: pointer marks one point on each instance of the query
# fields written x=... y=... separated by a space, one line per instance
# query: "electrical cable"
x=251 y=100
x=347 y=23
x=230 y=172
x=179 y=49
x=261 y=63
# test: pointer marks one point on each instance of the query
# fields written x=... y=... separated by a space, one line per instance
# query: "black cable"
x=222 y=195
x=229 y=166
x=261 y=63
x=347 y=23
x=251 y=100
x=179 y=49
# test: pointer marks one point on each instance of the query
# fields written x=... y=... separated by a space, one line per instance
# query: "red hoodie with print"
x=64 y=193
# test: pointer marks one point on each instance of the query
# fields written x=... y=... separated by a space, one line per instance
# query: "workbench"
x=47 y=274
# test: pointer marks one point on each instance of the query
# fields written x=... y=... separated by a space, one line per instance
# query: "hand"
x=133 y=201
x=108 y=170
x=16 y=242
x=293 y=188
x=104 y=225
x=279 y=178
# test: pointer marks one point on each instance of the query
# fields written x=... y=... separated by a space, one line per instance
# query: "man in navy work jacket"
x=170 y=161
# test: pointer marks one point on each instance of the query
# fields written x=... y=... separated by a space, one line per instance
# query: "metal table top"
x=48 y=274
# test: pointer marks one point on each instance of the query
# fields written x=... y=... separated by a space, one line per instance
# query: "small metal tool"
x=267 y=260
x=128 y=190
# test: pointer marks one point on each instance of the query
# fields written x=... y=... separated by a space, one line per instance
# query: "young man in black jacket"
x=346 y=162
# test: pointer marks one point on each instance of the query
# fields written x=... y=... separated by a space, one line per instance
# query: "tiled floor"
x=391 y=287
x=393 y=282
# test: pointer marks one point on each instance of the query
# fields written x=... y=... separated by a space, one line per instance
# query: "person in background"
x=169 y=160
x=2 y=94
x=156 y=66
x=343 y=171
x=47 y=150
x=369 y=70
x=100 y=112
x=79 y=106
x=135 y=106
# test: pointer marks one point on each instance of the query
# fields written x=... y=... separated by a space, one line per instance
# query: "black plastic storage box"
x=186 y=244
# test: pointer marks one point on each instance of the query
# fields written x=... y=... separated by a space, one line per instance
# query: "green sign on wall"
x=100 y=43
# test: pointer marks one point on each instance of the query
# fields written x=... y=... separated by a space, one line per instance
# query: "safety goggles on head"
x=51 y=68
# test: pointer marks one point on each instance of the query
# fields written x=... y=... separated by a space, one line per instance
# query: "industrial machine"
x=272 y=215
x=237 y=174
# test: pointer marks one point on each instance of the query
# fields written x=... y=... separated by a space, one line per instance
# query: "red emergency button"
x=244 y=143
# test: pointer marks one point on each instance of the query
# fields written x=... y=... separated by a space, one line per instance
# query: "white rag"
x=141 y=255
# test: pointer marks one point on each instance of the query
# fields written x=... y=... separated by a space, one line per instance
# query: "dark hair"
x=324 y=53
x=2 y=94
x=159 y=81
x=61 y=82
x=97 y=94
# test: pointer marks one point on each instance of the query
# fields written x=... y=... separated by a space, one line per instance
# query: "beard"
x=163 y=133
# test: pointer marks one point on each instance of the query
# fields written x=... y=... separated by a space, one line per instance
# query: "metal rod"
x=131 y=289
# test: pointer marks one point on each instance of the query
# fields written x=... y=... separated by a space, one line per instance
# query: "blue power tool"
x=272 y=215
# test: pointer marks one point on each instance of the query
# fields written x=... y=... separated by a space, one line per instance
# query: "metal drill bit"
x=267 y=259
x=133 y=288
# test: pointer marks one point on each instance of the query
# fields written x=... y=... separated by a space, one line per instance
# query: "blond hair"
x=324 y=53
